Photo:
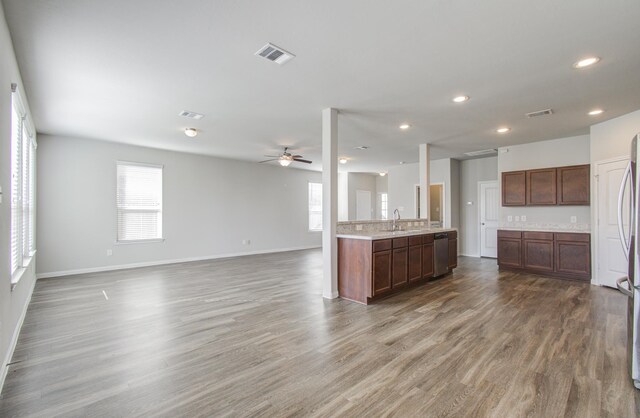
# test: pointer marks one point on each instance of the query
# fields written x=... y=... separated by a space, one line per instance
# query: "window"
x=139 y=202
x=315 y=206
x=23 y=154
x=384 y=204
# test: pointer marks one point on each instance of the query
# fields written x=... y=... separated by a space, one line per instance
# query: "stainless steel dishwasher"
x=441 y=254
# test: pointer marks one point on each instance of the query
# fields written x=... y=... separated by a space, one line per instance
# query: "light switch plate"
x=510 y=218
x=574 y=219
x=358 y=227
x=517 y=218
x=524 y=218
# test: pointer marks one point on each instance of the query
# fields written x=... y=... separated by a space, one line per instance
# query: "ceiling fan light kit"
x=285 y=159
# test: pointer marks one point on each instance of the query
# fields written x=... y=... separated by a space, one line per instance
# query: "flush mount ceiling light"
x=285 y=160
x=405 y=126
x=586 y=62
x=503 y=130
x=596 y=112
x=343 y=161
x=460 y=99
x=383 y=174
x=191 y=132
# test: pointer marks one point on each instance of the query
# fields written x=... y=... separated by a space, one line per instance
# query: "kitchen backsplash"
x=376 y=226
x=551 y=226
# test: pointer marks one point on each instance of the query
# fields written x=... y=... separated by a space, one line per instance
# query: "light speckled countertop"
x=372 y=235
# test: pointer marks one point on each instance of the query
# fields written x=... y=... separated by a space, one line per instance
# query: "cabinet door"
x=538 y=255
x=427 y=260
x=400 y=262
x=514 y=188
x=453 y=253
x=541 y=187
x=573 y=258
x=573 y=185
x=381 y=272
x=509 y=252
x=415 y=263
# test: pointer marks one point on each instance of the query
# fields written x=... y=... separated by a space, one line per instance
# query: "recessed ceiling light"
x=460 y=99
x=596 y=112
x=191 y=132
x=343 y=160
x=402 y=162
x=586 y=62
x=383 y=174
x=503 y=130
x=405 y=126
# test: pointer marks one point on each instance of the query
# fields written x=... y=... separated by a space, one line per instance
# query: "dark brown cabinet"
x=541 y=187
x=563 y=255
x=573 y=185
x=514 y=188
x=368 y=269
x=547 y=186
x=510 y=249
x=381 y=272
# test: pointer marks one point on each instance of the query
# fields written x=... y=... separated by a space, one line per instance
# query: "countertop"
x=369 y=235
x=548 y=229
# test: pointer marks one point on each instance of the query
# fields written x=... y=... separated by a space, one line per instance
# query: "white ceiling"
x=123 y=70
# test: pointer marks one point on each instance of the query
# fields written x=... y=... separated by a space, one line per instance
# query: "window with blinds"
x=315 y=206
x=139 y=201
x=23 y=154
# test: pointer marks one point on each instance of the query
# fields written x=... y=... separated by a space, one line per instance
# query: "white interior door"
x=489 y=203
x=611 y=261
x=363 y=205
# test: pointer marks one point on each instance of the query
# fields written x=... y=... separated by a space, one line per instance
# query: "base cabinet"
x=371 y=269
x=562 y=255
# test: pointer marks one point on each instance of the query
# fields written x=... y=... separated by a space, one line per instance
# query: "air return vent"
x=275 y=54
x=540 y=113
x=191 y=115
x=481 y=152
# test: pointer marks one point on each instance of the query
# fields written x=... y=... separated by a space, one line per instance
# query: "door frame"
x=595 y=234
x=480 y=183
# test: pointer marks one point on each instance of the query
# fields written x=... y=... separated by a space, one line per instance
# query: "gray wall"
x=553 y=153
x=361 y=181
x=401 y=183
x=13 y=303
x=471 y=172
x=210 y=206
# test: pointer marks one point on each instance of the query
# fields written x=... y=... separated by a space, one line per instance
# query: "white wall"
x=209 y=206
x=13 y=303
x=471 y=172
x=553 y=153
x=343 y=197
x=365 y=182
x=402 y=180
x=612 y=138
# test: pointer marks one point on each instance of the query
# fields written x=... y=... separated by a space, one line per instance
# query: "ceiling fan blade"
x=273 y=156
x=266 y=161
x=300 y=160
x=296 y=156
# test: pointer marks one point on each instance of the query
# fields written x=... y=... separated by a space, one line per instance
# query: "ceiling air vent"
x=540 y=113
x=481 y=152
x=191 y=115
x=362 y=147
x=275 y=54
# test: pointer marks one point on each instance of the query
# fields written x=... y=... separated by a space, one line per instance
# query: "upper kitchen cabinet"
x=514 y=188
x=547 y=186
x=573 y=185
x=541 y=187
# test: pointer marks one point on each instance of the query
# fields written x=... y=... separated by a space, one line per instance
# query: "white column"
x=425 y=164
x=329 y=203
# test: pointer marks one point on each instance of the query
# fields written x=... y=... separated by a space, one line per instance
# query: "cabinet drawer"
x=567 y=236
x=427 y=239
x=546 y=236
x=509 y=234
x=381 y=245
x=400 y=242
x=415 y=240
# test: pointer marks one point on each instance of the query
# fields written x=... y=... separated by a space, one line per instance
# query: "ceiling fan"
x=286 y=158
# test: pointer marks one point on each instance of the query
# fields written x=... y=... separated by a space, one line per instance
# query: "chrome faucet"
x=394 y=225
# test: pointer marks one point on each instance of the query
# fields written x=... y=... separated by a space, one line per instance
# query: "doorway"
x=436 y=204
x=611 y=263
x=489 y=202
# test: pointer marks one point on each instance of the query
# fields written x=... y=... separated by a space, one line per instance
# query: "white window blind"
x=384 y=206
x=315 y=206
x=23 y=153
x=139 y=201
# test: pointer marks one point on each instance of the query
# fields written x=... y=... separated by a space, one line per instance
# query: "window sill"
x=15 y=279
x=140 y=241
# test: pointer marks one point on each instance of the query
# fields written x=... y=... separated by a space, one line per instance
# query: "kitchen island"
x=375 y=264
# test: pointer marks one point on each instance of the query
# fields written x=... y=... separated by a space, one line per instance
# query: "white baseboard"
x=14 y=338
x=470 y=255
x=333 y=295
x=163 y=262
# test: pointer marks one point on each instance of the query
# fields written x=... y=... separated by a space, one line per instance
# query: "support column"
x=329 y=203
x=425 y=165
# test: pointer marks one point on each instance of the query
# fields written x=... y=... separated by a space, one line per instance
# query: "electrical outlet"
x=517 y=218
x=509 y=218
x=358 y=227
x=109 y=252
x=574 y=219
x=524 y=218
x=246 y=242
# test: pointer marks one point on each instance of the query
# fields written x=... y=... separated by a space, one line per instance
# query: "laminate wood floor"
x=252 y=336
